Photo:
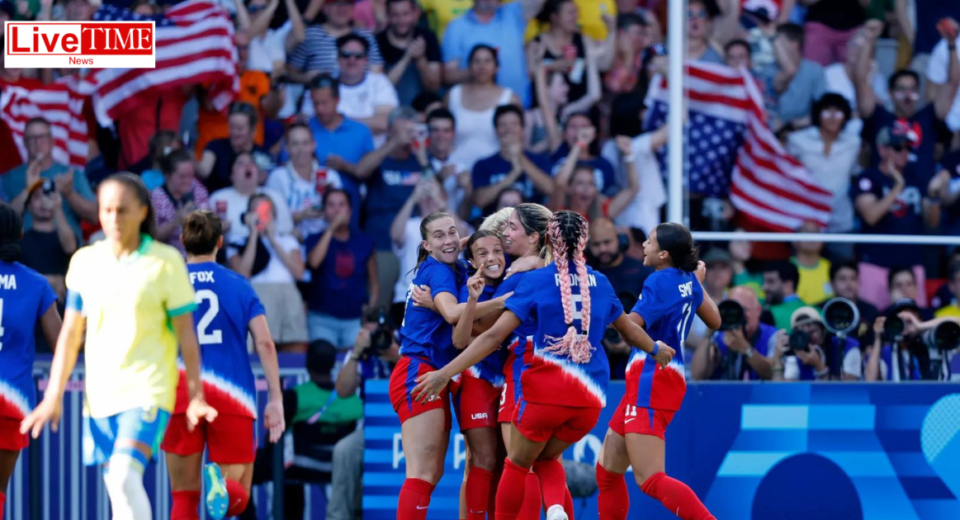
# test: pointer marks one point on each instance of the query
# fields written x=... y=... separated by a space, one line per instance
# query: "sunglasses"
x=831 y=113
x=899 y=148
x=355 y=55
x=698 y=15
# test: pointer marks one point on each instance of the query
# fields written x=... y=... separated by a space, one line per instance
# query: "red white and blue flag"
x=732 y=153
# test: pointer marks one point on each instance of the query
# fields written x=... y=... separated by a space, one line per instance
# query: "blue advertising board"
x=751 y=451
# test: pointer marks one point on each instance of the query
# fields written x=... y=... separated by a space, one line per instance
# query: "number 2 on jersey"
x=214 y=337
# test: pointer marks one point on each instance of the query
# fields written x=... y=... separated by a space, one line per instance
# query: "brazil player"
x=227 y=308
x=670 y=297
x=563 y=388
x=25 y=300
x=133 y=298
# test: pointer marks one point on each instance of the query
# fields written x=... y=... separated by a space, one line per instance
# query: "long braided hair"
x=567 y=235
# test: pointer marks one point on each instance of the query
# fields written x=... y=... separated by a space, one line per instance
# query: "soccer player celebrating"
x=563 y=388
x=133 y=298
x=636 y=436
x=25 y=299
x=227 y=308
x=427 y=345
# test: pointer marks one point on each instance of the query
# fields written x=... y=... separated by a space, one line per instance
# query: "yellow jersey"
x=442 y=12
x=131 y=348
x=950 y=311
x=814 y=286
x=589 y=17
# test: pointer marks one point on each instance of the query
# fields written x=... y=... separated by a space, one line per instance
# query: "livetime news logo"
x=74 y=45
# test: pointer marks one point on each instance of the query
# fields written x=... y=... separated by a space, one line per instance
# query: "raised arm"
x=866 y=98
x=298 y=30
x=624 y=197
x=946 y=93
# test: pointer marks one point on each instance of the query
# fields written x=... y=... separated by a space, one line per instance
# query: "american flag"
x=60 y=103
x=731 y=152
x=194 y=41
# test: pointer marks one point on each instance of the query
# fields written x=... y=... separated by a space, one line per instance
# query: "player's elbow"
x=265 y=346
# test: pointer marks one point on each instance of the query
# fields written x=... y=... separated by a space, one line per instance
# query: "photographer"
x=906 y=349
x=810 y=353
x=739 y=349
x=374 y=355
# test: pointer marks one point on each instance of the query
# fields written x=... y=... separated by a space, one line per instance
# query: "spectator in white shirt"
x=839 y=78
x=302 y=182
x=454 y=175
x=830 y=154
x=231 y=203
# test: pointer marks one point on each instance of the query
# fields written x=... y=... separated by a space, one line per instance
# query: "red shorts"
x=10 y=437
x=508 y=402
x=230 y=439
x=475 y=402
x=402 y=382
x=542 y=422
x=645 y=421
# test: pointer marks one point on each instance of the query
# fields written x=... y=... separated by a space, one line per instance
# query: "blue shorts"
x=141 y=425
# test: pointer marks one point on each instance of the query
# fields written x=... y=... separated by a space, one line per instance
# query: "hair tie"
x=656 y=348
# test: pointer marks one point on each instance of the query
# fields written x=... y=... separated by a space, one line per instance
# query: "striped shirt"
x=319 y=51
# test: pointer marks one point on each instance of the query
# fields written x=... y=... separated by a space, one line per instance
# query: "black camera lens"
x=611 y=335
x=893 y=327
x=732 y=315
x=945 y=336
x=841 y=316
x=799 y=341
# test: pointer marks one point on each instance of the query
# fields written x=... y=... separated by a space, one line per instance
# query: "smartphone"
x=264 y=215
x=570 y=52
x=221 y=208
x=321 y=180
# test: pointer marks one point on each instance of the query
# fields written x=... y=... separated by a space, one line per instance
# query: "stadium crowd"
x=356 y=118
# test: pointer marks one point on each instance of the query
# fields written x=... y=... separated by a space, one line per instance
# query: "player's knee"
x=484 y=459
x=122 y=481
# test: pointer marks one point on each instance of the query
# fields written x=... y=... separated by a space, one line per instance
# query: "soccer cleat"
x=556 y=512
x=217 y=499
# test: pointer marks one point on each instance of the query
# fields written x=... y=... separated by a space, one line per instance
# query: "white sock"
x=124 y=483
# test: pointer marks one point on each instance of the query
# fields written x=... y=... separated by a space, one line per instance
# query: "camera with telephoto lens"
x=381 y=338
x=893 y=328
x=732 y=315
x=945 y=336
x=799 y=341
x=841 y=316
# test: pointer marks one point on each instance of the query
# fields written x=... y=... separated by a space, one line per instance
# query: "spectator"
x=509 y=198
x=318 y=52
x=365 y=96
x=162 y=144
x=814 y=269
x=780 y=280
x=269 y=46
x=302 y=183
x=845 y=283
x=425 y=103
x=231 y=203
x=391 y=172
x=943 y=296
x=952 y=307
x=179 y=195
x=474 y=103
x=825 y=356
x=938 y=74
x=412 y=55
x=700 y=16
x=626 y=116
x=552 y=93
x=493 y=24
x=606 y=255
x=583 y=125
x=839 y=78
x=575 y=187
x=219 y=155
x=72 y=186
x=442 y=153
x=945 y=188
x=405 y=234
x=919 y=122
x=255 y=91
x=716 y=284
x=631 y=41
x=902 y=283
x=829 y=26
x=830 y=154
x=736 y=54
x=367 y=361
x=341 y=142
x=900 y=358
x=439 y=13
x=739 y=354
x=563 y=48
x=511 y=167
x=344 y=281
x=799 y=82
x=47 y=246
x=889 y=200
x=745 y=271
x=273 y=263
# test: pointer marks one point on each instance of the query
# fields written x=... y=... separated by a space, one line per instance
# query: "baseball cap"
x=896 y=134
x=717 y=256
x=805 y=315
x=904 y=304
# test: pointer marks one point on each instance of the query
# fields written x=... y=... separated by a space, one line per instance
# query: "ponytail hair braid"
x=567 y=234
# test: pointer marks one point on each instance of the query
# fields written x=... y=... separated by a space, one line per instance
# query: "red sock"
x=186 y=505
x=510 y=492
x=568 y=502
x=677 y=497
x=553 y=482
x=414 y=499
x=492 y=494
x=478 y=493
x=238 y=498
x=532 y=500
x=614 y=500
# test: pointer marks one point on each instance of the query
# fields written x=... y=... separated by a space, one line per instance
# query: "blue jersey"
x=520 y=343
x=424 y=333
x=668 y=304
x=550 y=378
x=226 y=304
x=491 y=368
x=25 y=296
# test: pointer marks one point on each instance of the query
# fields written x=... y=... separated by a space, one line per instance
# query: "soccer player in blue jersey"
x=227 y=309
x=563 y=388
x=670 y=297
x=25 y=300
